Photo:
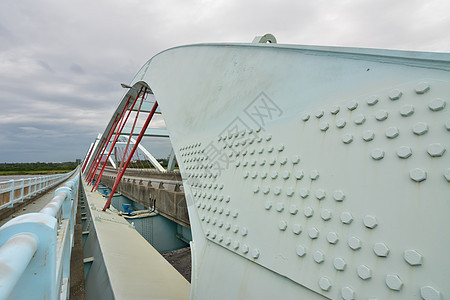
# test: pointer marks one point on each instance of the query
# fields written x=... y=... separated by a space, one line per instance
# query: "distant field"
x=38 y=168
x=38 y=172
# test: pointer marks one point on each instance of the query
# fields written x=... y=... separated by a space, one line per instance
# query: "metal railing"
x=35 y=249
x=14 y=191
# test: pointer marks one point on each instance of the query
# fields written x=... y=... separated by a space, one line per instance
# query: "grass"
x=36 y=172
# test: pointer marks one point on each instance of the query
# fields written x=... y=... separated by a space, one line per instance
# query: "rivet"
x=274 y=174
x=314 y=174
x=372 y=100
x=293 y=209
x=270 y=149
x=392 y=132
x=268 y=138
x=447 y=174
x=228 y=241
x=319 y=257
x=253 y=163
x=297 y=228
x=289 y=192
x=360 y=119
x=319 y=114
x=221 y=198
x=364 y=272
x=277 y=190
x=254 y=175
x=436 y=104
x=320 y=194
x=447 y=125
x=422 y=87
x=268 y=205
x=436 y=150
x=305 y=117
x=368 y=135
x=418 y=175
x=208 y=232
x=308 y=211
x=370 y=222
x=304 y=193
x=208 y=207
x=313 y=233
x=244 y=153
x=244 y=231
x=255 y=253
x=228 y=199
x=262 y=162
x=354 y=243
x=286 y=175
x=266 y=190
x=377 y=154
x=394 y=282
x=347 y=138
x=282 y=225
x=283 y=160
x=324 y=283
x=280 y=206
x=346 y=217
x=381 y=249
x=335 y=109
x=258 y=129
x=280 y=148
x=352 y=105
x=272 y=161
x=339 y=195
x=381 y=115
x=339 y=264
x=252 y=152
x=325 y=214
x=347 y=293
x=220 y=210
x=245 y=249
x=332 y=237
x=340 y=123
x=429 y=293
x=259 y=140
x=295 y=159
x=263 y=175
x=220 y=225
x=235 y=228
x=395 y=94
x=227 y=212
x=413 y=257
x=420 y=128
x=213 y=235
x=324 y=126
x=220 y=238
x=301 y=251
x=203 y=218
x=236 y=245
x=208 y=219
x=299 y=174
x=406 y=110
x=199 y=204
x=404 y=152
x=245 y=163
x=235 y=214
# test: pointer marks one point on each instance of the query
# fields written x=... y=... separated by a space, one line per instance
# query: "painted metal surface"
x=314 y=172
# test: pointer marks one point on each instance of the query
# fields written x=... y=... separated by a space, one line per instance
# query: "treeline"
x=38 y=166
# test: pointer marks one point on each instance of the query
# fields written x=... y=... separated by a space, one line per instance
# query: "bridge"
x=303 y=172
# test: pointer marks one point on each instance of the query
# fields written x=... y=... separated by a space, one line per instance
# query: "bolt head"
x=372 y=100
x=429 y=293
x=255 y=189
x=319 y=257
x=420 y=128
x=308 y=211
x=274 y=174
x=346 y=217
x=295 y=159
x=301 y=251
x=289 y=192
x=339 y=264
x=368 y=135
x=299 y=175
x=436 y=104
x=364 y=272
x=235 y=228
x=392 y=132
x=244 y=249
x=280 y=206
x=422 y=87
x=324 y=126
x=319 y=114
x=266 y=190
x=313 y=233
x=228 y=241
x=314 y=174
x=447 y=174
x=347 y=138
x=381 y=115
x=297 y=228
x=340 y=123
x=394 y=282
x=335 y=109
x=283 y=160
x=220 y=238
x=305 y=117
x=263 y=174
x=325 y=214
x=404 y=152
x=320 y=194
x=377 y=154
x=282 y=225
x=352 y=105
x=332 y=237
x=339 y=195
x=268 y=205
x=244 y=231
x=324 y=283
x=447 y=125
x=413 y=257
x=293 y=209
x=436 y=150
x=395 y=95
x=304 y=193
x=286 y=175
x=255 y=253
x=370 y=222
x=418 y=175
x=347 y=293
x=236 y=245
x=381 y=249
x=406 y=110
x=354 y=243
x=277 y=190
x=360 y=119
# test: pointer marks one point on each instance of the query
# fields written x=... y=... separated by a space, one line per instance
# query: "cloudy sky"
x=62 y=62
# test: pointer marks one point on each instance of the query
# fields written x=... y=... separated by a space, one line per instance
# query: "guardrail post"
x=11 y=193
x=22 y=186
x=37 y=280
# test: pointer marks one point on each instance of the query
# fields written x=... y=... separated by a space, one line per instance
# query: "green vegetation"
x=36 y=168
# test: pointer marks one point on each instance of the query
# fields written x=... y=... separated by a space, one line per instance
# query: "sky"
x=62 y=62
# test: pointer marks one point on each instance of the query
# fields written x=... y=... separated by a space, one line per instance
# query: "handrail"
x=14 y=191
x=35 y=249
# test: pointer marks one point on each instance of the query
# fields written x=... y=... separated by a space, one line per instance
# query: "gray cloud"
x=61 y=62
